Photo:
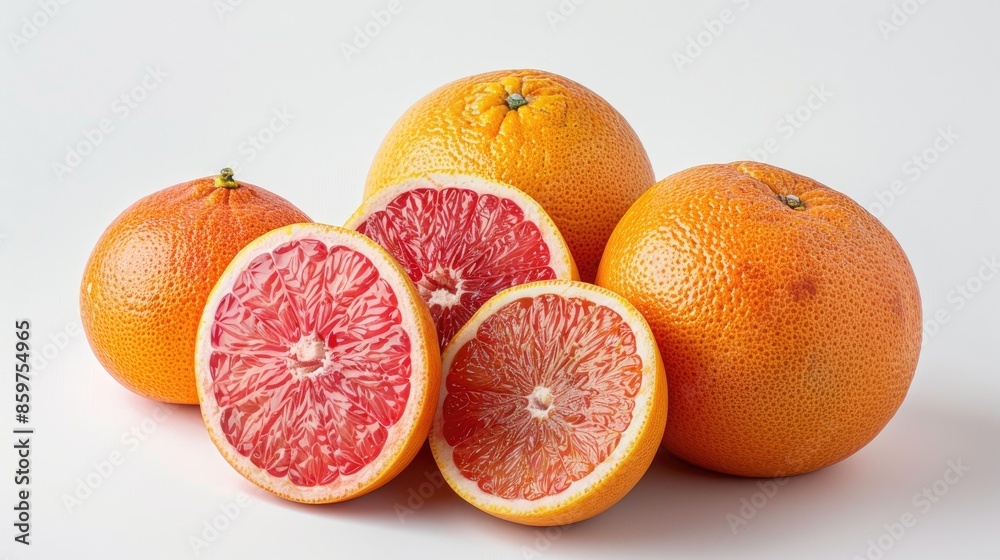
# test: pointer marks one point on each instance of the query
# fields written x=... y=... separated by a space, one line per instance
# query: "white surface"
x=226 y=76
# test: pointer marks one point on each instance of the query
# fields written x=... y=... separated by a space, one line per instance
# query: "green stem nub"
x=792 y=201
x=516 y=100
x=225 y=179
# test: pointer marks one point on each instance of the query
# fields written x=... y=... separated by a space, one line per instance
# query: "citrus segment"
x=462 y=240
x=553 y=405
x=317 y=364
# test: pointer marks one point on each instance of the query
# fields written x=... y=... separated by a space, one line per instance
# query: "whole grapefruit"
x=788 y=317
x=145 y=285
x=549 y=136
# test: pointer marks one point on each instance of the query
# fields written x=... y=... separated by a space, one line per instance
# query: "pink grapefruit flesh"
x=314 y=362
x=462 y=240
x=553 y=405
x=499 y=416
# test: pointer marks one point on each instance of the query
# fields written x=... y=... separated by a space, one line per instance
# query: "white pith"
x=442 y=296
x=309 y=349
x=540 y=402
x=304 y=354
x=640 y=423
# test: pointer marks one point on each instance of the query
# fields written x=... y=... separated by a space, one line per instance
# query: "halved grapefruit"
x=553 y=405
x=463 y=239
x=317 y=364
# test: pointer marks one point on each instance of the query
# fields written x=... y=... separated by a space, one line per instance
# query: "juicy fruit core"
x=441 y=287
x=306 y=356
x=310 y=362
x=541 y=395
x=539 y=402
x=460 y=248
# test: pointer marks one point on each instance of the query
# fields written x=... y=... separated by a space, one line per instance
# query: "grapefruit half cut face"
x=553 y=405
x=463 y=239
x=317 y=364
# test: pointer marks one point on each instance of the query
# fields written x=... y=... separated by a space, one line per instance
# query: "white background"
x=892 y=91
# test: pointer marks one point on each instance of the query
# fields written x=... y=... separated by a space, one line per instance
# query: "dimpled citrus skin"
x=789 y=336
x=145 y=285
x=566 y=147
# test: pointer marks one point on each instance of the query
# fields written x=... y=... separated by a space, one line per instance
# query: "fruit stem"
x=225 y=179
x=516 y=100
x=792 y=201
